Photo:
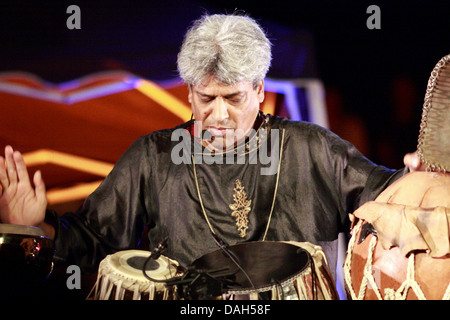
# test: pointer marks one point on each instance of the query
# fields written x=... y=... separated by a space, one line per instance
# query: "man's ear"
x=190 y=93
x=260 y=91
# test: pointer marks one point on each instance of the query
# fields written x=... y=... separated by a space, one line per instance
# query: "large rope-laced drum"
x=409 y=256
x=400 y=242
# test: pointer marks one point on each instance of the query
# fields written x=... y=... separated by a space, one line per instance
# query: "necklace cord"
x=274 y=196
x=276 y=187
x=231 y=255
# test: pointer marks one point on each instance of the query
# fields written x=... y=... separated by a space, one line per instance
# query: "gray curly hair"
x=230 y=47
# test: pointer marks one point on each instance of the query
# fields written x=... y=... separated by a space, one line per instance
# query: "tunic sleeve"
x=356 y=179
x=112 y=218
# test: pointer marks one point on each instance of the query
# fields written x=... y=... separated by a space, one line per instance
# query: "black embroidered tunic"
x=319 y=179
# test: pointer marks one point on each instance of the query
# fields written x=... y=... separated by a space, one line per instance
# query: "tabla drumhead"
x=266 y=263
x=131 y=263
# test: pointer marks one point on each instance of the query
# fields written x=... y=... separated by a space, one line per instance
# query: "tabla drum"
x=121 y=277
x=375 y=269
x=26 y=260
x=274 y=271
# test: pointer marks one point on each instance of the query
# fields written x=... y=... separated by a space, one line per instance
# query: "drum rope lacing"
x=389 y=293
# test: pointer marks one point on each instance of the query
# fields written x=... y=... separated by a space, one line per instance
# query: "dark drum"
x=26 y=257
x=273 y=270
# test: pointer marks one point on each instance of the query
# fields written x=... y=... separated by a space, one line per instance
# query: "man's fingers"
x=4 y=182
x=10 y=165
x=22 y=172
x=412 y=161
x=39 y=187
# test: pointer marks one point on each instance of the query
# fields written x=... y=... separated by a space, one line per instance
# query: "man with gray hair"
x=232 y=48
x=318 y=178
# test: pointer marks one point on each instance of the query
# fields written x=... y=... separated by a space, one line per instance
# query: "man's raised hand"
x=20 y=201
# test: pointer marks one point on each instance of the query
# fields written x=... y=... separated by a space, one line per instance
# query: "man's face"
x=227 y=112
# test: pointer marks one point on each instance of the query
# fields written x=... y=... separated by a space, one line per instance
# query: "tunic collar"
x=251 y=143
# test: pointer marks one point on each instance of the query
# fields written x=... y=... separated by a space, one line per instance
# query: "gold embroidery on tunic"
x=240 y=207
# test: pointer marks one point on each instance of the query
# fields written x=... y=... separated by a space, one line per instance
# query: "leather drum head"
x=130 y=263
x=266 y=263
x=434 y=137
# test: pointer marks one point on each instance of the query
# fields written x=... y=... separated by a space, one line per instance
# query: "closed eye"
x=236 y=98
x=206 y=98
